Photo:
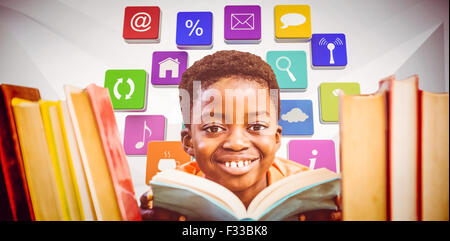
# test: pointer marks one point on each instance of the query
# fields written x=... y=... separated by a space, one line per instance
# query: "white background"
x=49 y=43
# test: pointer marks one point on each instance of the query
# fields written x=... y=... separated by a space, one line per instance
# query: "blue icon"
x=296 y=117
x=290 y=68
x=329 y=50
x=194 y=29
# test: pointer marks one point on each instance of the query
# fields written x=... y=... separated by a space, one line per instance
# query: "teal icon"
x=290 y=68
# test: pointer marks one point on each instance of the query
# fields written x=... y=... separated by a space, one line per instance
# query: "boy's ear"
x=278 y=135
x=186 y=141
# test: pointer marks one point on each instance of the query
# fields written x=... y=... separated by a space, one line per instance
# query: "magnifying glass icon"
x=291 y=76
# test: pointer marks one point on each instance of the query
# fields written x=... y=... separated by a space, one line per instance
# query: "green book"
x=201 y=199
x=329 y=99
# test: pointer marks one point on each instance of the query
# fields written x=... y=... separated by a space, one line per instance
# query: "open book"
x=201 y=199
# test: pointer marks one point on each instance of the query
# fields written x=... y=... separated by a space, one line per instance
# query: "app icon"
x=127 y=88
x=329 y=99
x=242 y=24
x=194 y=30
x=140 y=129
x=290 y=68
x=141 y=24
x=328 y=50
x=168 y=66
x=162 y=155
x=296 y=117
x=313 y=153
x=292 y=22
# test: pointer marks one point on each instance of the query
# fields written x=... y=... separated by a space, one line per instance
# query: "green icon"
x=290 y=68
x=329 y=99
x=127 y=88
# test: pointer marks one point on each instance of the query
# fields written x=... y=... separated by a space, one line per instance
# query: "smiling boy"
x=230 y=105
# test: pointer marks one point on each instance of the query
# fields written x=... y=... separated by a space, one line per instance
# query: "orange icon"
x=162 y=155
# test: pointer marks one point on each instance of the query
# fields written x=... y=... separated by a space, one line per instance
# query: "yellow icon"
x=293 y=22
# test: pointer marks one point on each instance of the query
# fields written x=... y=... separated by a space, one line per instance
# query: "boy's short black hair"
x=227 y=63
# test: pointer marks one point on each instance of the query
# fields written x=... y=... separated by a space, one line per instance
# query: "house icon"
x=169 y=64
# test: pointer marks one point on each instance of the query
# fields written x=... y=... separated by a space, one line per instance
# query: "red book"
x=114 y=152
x=10 y=154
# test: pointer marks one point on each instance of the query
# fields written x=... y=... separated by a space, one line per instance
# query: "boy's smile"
x=235 y=146
x=237 y=165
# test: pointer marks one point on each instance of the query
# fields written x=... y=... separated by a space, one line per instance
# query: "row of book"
x=394 y=149
x=62 y=160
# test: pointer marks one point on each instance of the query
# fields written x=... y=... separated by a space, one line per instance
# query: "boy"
x=230 y=105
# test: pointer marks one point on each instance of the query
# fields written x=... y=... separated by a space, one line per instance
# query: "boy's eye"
x=214 y=129
x=257 y=127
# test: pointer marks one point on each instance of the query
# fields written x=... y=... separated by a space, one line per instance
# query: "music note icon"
x=140 y=130
x=141 y=144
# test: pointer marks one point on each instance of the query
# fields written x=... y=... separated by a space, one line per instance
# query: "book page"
x=195 y=205
x=213 y=190
x=281 y=189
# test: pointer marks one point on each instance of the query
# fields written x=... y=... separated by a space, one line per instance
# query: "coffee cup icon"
x=166 y=163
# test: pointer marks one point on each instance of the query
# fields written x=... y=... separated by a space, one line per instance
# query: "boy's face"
x=234 y=144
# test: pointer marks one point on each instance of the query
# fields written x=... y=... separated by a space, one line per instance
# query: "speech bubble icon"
x=336 y=92
x=292 y=19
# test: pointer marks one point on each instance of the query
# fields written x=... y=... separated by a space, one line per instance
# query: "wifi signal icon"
x=331 y=46
x=329 y=49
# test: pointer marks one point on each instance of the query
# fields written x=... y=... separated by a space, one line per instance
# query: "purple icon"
x=328 y=50
x=242 y=23
x=141 y=129
x=168 y=66
x=313 y=153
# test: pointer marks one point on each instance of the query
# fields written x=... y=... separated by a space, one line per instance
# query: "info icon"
x=313 y=153
x=141 y=24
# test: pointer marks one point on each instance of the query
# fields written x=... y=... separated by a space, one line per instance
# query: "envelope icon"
x=242 y=21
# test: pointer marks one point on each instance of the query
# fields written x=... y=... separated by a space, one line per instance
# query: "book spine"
x=69 y=160
x=389 y=151
x=114 y=152
x=11 y=155
x=419 y=155
x=49 y=134
x=37 y=161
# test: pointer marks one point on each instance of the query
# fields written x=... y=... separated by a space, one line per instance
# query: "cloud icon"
x=294 y=115
x=292 y=19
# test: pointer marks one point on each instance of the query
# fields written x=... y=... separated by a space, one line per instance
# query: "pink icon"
x=140 y=129
x=313 y=153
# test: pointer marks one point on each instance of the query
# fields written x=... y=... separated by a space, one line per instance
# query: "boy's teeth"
x=238 y=164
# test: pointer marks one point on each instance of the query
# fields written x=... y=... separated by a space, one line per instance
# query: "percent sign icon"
x=193 y=27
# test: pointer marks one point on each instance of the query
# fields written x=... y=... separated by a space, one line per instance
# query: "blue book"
x=201 y=199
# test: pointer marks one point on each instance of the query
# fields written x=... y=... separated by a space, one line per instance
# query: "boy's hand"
x=149 y=213
x=323 y=215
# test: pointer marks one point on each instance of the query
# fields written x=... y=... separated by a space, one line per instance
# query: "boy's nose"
x=236 y=141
